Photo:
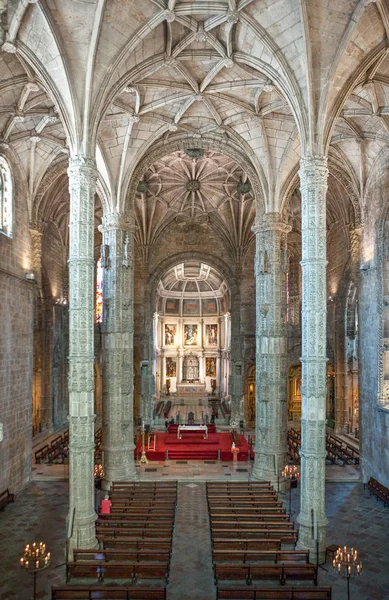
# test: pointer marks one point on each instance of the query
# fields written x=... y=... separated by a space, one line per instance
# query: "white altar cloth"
x=182 y=428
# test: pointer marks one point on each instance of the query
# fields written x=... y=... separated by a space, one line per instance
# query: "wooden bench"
x=242 y=517
x=135 y=543
x=126 y=512
x=153 y=532
x=289 y=593
x=240 y=485
x=138 y=518
x=286 y=536
x=276 y=556
x=41 y=454
x=134 y=555
x=244 y=521
x=104 y=592
x=380 y=491
x=246 y=544
x=117 y=570
x=244 y=494
x=227 y=501
x=278 y=571
x=248 y=510
x=5 y=498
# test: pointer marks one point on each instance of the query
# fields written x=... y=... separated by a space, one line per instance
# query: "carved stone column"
x=313 y=177
x=118 y=397
x=271 y=380
x=82 y=185
x=235 y=386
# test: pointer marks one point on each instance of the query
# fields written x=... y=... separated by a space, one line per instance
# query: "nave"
x=39 y=513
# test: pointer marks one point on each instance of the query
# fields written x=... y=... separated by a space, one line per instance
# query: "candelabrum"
x=348 y=564
x=143 y=458
x=35 y=558
x=98 y=475
x=292 y=473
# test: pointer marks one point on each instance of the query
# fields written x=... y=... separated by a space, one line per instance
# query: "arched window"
x=99 y=292
x=5 y=197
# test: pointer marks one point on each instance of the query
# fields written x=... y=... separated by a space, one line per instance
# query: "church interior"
x=194 y=299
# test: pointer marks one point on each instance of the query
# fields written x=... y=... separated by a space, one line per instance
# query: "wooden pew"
x=278 y=571
x=290 y=593
x=138 y=518
x=126 y=511
x=135 y=543
x=241 y=524
x=226 y=500
x=242 y=494
x=132 y=555
x=5 y=498
x=41 y=454
x=275 y=556
x=252 y=518
x=117 y=570
x=242 y=504
x=380 y=491
x=146 y=532
x=106 y=592
x=245 y=543
x=286 y=536
x=247 y=510
x=134 y=523
x=240 y=485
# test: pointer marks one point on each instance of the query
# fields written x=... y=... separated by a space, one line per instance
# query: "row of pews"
x=381 y=492
x=254 y=539
x=338 y=451
x=135 y=541
x=58 y=449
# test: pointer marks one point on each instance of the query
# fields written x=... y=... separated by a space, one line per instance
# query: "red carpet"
x=193 y=446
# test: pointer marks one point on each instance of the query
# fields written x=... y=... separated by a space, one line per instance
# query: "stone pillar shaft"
x=313 y=177
x=118 y=427
x=271 y=341
x=82 y=184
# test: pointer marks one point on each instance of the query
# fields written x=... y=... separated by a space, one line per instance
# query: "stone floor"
x=39 y=514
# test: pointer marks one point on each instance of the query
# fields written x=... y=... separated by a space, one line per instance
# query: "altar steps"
x=193 y=454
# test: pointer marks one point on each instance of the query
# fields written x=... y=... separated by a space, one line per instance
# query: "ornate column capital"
x=272 y=221
x=82 y=172
x=313 y=171
x=116 y=221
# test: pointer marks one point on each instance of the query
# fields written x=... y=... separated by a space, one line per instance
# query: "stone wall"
x=374 y=420
x=16 y=348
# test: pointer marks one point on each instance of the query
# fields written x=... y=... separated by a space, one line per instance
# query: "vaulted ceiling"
x=269 y=79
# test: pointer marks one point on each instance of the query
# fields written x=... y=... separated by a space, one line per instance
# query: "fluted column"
x=118 y=398
x=82 y=185
x=271 y=380
x=313 y=177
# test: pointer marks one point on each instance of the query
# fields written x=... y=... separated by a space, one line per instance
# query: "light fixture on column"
x=292 y=473
x=348 y=564
x=35 y=558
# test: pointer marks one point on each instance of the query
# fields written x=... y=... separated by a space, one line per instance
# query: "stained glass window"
x=99 y=292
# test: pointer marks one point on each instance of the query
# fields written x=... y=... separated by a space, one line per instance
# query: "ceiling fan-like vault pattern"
x=191 y=77
x=210 y=187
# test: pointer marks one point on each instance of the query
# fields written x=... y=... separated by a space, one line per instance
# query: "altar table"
x=182 y=428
